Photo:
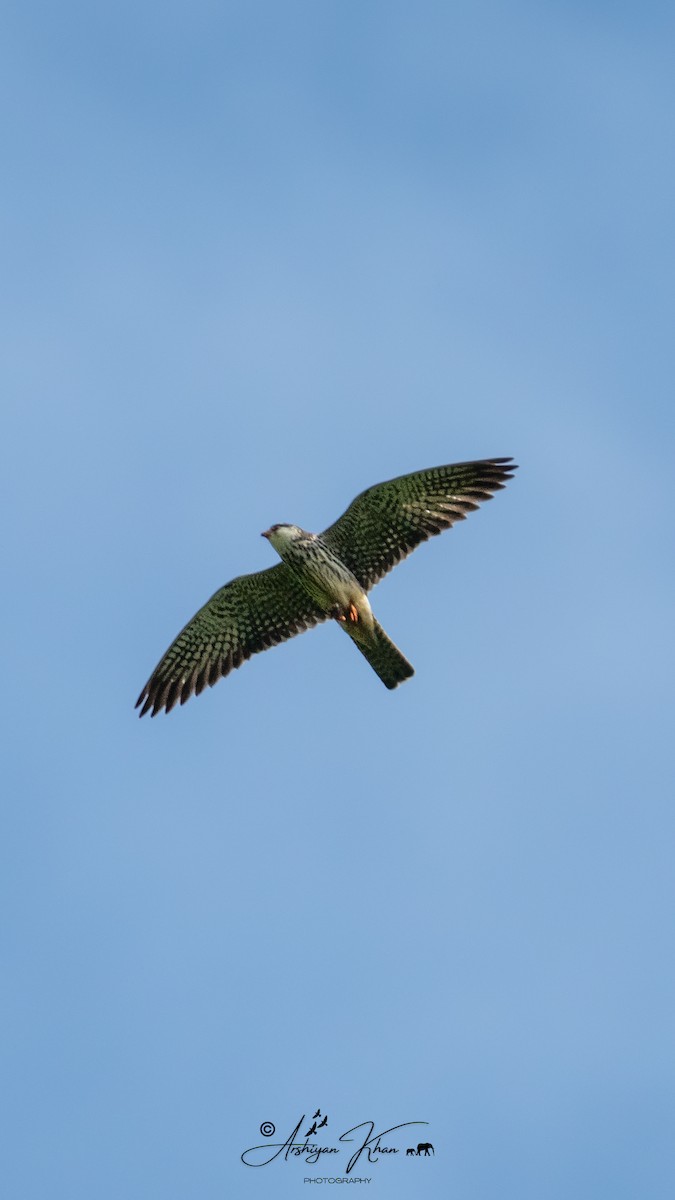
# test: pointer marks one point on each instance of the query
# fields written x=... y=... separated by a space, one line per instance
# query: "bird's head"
x=281 y=536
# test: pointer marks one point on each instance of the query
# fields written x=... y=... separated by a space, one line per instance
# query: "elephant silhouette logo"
x=424 y=1148
x=412 y=1150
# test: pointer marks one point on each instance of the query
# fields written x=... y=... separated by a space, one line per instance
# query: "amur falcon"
x=323 y=575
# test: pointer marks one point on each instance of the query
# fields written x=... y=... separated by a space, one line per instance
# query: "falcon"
x=321 y=576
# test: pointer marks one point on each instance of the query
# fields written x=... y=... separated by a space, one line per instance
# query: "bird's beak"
x=266 y=533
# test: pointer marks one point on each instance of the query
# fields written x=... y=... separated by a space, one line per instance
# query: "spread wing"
x=384 y=523
x=249 y=614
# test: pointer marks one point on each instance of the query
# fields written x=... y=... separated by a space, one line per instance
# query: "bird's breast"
x=327 y=580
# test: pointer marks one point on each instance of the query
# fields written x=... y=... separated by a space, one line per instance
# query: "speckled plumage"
x=322 y=576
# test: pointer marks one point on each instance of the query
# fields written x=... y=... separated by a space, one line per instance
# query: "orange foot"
x=353 y=613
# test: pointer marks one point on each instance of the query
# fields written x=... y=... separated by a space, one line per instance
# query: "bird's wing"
x=249 y=614
x=384 y=523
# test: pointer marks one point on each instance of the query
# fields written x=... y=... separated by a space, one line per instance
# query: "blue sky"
x=257 y=257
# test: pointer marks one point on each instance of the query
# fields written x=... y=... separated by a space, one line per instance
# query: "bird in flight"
x=321 y=576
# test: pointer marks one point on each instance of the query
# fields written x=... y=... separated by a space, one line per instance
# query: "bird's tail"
x=384 y=657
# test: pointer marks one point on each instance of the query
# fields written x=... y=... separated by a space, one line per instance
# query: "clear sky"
x=257 y=257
